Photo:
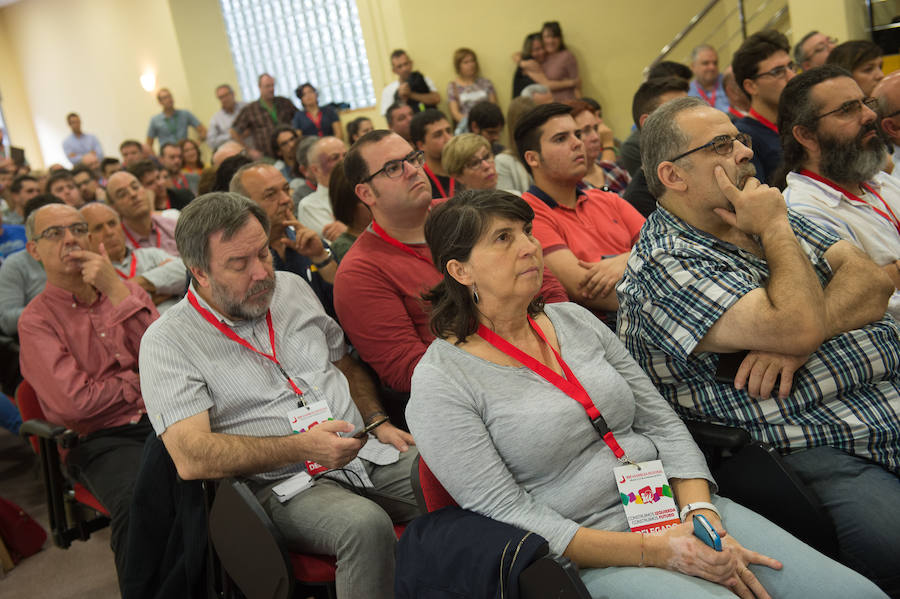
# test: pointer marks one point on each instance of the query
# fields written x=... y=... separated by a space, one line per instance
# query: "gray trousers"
x=329 y=518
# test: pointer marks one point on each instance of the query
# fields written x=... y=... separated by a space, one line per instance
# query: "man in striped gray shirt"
x=230 y=365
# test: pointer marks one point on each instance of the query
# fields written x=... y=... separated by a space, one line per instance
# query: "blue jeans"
x=862 y=499
x=806 y=573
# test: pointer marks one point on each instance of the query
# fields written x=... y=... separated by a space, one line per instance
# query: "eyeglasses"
x=58 y=232
x=477 y=161
x=853 y=108
x=394 y=168
x=778 y=72
x=287 y=141
x=721 y=144
x=830 y=43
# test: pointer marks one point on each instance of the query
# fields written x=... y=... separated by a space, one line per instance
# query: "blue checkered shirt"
x=680 y=281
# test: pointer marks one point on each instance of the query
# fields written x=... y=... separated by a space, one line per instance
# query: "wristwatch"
x=326 y=261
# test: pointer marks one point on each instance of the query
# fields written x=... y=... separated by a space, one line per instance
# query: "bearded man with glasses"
x=380 y=281
x=723 y=267
x=79 y=350
x=762 y=67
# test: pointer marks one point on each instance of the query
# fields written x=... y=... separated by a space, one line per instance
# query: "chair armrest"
x=64 y=437
x=717 y=435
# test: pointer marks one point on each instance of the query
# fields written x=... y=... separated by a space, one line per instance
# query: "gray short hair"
x=697 y=50
x=303 y=148
x=29 y=225
x=237 y=179
x=534 y=88
x=208 y=214
x=662 y=139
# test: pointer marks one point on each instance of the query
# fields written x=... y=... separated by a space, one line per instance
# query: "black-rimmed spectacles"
x=721 y=144
x=853 y=108
x=58 y=232
x=394 y=168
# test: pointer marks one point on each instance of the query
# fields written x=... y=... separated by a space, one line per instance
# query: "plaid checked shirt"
x=680 y=281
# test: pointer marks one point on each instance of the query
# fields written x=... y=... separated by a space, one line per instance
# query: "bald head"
x=226 y=150
x=324 y=155
x=103 y=228
x=887 y=92
x=96 y=211
x=127 y=196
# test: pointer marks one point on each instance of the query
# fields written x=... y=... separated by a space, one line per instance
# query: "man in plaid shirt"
x=722 y=267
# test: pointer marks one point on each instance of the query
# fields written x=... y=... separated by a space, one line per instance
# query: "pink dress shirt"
x=161 y=224
x=82 y=360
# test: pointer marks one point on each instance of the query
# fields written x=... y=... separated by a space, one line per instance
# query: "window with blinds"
x=295 y=41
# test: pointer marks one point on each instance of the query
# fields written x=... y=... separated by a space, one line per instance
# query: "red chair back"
x=29 y=408
x=436 y=496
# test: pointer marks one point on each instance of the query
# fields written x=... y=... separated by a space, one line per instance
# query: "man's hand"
x=322 y=444
x=606 y=134
x=97 y=271
x=601 y=277
x=757 y=207
x=307 y=242
x=760 y=369
x=403 y=91
x=332 y=231
x=391 y=435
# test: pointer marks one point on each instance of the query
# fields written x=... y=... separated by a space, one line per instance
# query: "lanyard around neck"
x=766 y=122
x=437 y=182
x=134 y=241
x=568 y=384
x=399 y=244
x=316 y=121
x=211 y=319
x=852 y=197
x=711 y=99
x=270 y=109
x=131 y=270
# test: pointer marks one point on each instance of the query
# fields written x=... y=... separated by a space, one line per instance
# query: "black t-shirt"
x=520 y=82
x=638 y=194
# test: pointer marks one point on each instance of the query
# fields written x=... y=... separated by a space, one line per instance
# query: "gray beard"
x=852 y=162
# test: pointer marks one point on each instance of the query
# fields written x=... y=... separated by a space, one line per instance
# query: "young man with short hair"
x=430 y=131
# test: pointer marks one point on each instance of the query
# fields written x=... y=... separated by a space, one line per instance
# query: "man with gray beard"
x=722 y=267
x=833 y=157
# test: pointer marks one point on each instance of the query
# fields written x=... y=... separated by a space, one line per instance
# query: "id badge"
x=303 y=419
x=646 y=496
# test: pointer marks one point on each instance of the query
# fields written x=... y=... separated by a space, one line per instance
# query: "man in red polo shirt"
x=586 y=234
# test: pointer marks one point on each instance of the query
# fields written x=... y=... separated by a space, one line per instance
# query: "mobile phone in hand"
x=361 y=433
x=704 y=531
x=290 y=232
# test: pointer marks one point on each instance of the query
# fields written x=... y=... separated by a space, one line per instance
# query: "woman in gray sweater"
x=506 y=437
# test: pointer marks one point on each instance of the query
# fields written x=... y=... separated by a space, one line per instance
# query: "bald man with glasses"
x=79 y=350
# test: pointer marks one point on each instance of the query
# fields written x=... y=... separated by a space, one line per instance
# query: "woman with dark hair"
x=560 y=64
x=864 y=61
x=468 y=89
x=191 y=159
x=529 y=69
x=600 y=156
x=537 y=416
x=313 y=120
x=348 y=209
x=283 y=142
x=358 y=127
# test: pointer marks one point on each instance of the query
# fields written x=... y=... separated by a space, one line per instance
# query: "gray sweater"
x=506 y=443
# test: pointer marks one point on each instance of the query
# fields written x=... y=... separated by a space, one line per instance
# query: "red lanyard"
x=735 y=112
x=711 y=100
x=769 y=124
x=180 y=182
x=132 y=270
x=568 y=385
x=134 y=241
x=237 y=339
x=317 y=122
x=437 y=183
x=891 y=218
x=399 y=244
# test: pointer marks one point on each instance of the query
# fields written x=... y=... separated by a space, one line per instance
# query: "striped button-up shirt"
x=680 y=281
x=188 y=366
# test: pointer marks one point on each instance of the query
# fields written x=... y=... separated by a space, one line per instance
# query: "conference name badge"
x=305 y=418
x=646 y=496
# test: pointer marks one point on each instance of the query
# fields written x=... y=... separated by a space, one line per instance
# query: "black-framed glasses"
x=778 y=72
x=58 y=232
x=394 y=168
x=477 y=161
x=721 y=144
x=853 y=108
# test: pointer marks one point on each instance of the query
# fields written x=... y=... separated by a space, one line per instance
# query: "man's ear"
x=890 y=128
x=643 y=119
x=805 y=138
x=31 y=248
x=365 y=194
x=670 y=175
x=532 y=158
x=460 y=272
x=200 y=276
x=749 y=86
